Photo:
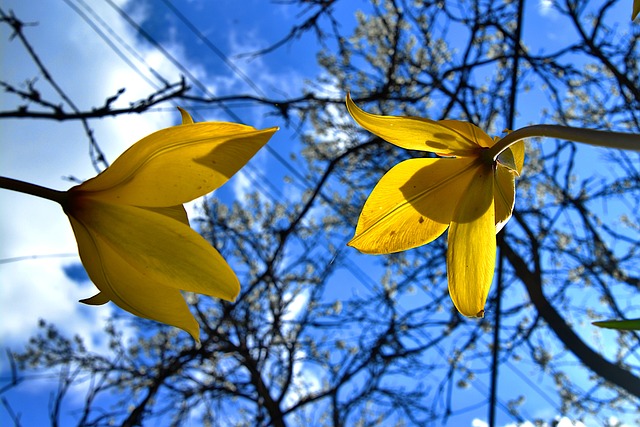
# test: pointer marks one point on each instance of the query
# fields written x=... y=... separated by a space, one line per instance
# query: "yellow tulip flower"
x=465 y=190
x=132 y=230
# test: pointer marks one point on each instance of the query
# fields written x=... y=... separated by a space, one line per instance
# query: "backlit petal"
x=624 y=325
x=412 y=204
x=518 y=154
x=98 y=299
x=177 y=164
x=162 y=249
x=469 y=131
x=472 y=245
x=186 y=117
x=127 y=287
x=176 y=212
x=505 y=195
x=414 y=133
x=513 y=157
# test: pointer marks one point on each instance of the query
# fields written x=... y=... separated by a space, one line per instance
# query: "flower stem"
x=600 y=138
x=33 y=189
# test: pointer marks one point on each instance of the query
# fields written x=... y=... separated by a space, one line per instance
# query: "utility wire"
x=203 y=87
x=495 y=360
x=142 y=32
x=214 y=48
x=26 y=257
x=91 y=21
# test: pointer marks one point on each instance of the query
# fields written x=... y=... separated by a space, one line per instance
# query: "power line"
x=96 y=28
x=141 y=31
x=26 y=257
x=173 y=60
x=214 y=48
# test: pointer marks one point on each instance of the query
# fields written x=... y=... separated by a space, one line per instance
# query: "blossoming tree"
x=321 y=335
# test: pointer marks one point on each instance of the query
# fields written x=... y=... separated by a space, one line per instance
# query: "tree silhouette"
x=323 y=336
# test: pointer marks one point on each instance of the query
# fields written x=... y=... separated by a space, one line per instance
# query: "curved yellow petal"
x=186 y=117
x=472 y=245
x=176 y=212
x=98 y=299
x=412 y=204
x=470 y=132
x=505 y=195
x=162 y=249
x=513 y=157
x=518 y=154
x=127 y=287
x=414 y=133
x=177 y=164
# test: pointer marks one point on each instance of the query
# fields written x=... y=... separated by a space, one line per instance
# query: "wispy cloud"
x=545 y=7
x=43 y=152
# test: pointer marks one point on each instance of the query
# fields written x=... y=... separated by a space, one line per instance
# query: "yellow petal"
x=186 y=117
x=472 y=245
x=518 y=154
x=412 y=204
x=414 y=133
x=505 y=195
x=177 y=164
x=98 y=299
x=636 y=9
x=513 y=157
x=469 y=131
x=164 y=250
x=176 y=212
x=127 y=287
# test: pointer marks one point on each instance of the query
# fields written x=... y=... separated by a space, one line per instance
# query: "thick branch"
x=605 y=369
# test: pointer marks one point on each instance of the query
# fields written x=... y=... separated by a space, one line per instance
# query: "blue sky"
x=44 y=152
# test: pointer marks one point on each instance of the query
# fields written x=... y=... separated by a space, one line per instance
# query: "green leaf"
x=626 y=325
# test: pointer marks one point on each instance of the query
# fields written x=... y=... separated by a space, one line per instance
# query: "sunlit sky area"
x=40 y=274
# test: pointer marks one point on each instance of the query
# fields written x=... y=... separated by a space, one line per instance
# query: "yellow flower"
x=132 y=231
x=415 y=201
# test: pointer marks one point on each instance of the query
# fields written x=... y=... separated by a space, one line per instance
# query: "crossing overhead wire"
x=209 y=44
x=108 y=35
x=188 y=74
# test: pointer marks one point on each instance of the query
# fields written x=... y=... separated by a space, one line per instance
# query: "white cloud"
x=56 y=300
x=559 y=422
x=545 y=7
x=241 y=186
x=566 y=422
x=44 y=151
